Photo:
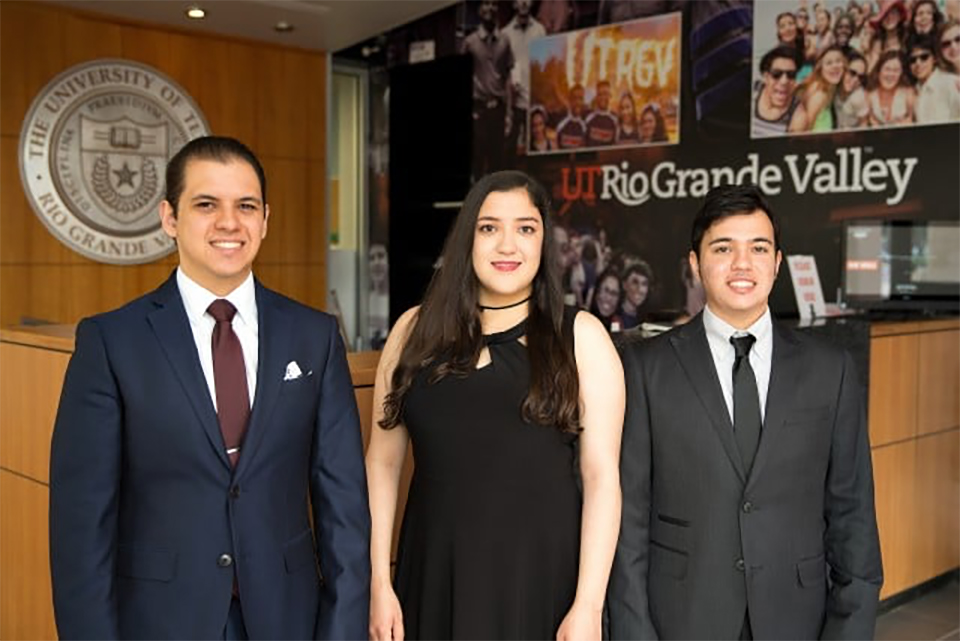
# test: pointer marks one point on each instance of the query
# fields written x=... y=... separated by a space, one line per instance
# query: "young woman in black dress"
x=495 y=383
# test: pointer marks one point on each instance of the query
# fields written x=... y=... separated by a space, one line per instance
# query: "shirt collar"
x=719 y=331
x=196 y=298
x=486 y=35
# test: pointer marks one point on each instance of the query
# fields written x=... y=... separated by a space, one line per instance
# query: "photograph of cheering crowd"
x=835 y=65
x=609 y=86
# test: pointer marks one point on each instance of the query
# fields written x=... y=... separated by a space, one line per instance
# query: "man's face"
x=738 y=264
x=855 y=76
x=608 y=295
x=220 y=221
x=576 y=100
x=523 y=7
x=780 y=81
x=921 y=63
x=603 y=96
x=843 y=31
x=487 y=11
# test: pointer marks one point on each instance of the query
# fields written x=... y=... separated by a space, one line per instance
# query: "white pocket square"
x=293 y=371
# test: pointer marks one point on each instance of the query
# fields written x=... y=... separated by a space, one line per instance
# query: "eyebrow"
x=525 y=219
x=252 y=199
x=758 y=239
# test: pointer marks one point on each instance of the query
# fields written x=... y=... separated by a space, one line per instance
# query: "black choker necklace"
x=493 y=309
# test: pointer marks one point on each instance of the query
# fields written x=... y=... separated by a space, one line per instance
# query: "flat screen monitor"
x=902 y=265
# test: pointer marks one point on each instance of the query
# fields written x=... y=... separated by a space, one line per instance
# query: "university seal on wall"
x=93 y=154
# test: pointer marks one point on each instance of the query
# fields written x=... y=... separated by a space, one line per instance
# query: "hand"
x=581 y=624
x=386 y=617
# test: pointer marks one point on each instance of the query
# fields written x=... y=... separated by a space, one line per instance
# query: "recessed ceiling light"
x=283 y=27
x=196 y=13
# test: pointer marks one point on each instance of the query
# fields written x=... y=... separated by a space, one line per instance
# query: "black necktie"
x=746 y=400
x=230 y=378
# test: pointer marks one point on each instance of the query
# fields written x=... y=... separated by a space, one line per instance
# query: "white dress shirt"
x=196 y=300
x=719 y=333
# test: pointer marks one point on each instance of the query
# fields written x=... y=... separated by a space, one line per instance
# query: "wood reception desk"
x=914 y=408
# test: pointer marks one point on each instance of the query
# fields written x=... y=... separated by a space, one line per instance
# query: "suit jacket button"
x=747 y=507
x=234 y=491
x=225 y=560
x=741 y=565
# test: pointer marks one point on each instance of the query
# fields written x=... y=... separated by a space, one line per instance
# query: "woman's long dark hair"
x=446 y=335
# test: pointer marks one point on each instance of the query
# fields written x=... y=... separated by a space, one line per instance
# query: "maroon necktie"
x=230 y=378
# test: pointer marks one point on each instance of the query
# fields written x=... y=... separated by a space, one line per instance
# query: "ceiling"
x=325 y=25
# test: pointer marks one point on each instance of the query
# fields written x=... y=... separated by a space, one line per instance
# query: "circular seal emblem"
x=93 y=154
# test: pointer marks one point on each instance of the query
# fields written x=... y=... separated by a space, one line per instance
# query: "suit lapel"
x=693 y=350
x=785 y=370
x=274 y=334
x=172 y=327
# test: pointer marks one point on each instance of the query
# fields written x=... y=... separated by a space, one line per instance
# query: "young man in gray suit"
x=747 y=485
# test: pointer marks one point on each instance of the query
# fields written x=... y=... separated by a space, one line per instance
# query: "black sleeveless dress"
x=491 y=535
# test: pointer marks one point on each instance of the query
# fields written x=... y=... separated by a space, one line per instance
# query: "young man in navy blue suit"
x=188 y=449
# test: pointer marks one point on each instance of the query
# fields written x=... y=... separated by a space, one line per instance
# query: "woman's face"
x=538 y=127
x=507 y=246
x=892 y=19
x=950 y=45
x=627 y=111
x=890 y=74
x=648 y=125
x=378 y=265
x=636 y=287
x=923 y=18
x=823 y=21
x=802 y=20
x=853 y=78
x=832 y=67
x=608 y=295
x=787 y=29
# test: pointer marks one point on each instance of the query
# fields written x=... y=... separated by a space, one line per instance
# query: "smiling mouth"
x=741 y=285
x=505 y=266
x=227 y=244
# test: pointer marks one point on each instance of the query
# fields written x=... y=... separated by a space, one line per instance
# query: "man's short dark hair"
x=730 y=200
x=783 y=51
x=219 y=148
x=921 y=41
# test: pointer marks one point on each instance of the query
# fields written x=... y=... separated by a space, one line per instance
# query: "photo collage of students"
x=841 y=65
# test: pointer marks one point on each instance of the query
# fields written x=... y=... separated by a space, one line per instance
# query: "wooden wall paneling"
x=893 y=388
x=147 y=46
x=15 y=213
x=272 y=98
x=937 y=529
x=894 y=479
x=26 y=607
x=30 y=35
x=87 y=38
x=938 y=401
x=29 y=409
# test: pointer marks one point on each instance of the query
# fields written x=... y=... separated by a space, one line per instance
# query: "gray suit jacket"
x=701 y=542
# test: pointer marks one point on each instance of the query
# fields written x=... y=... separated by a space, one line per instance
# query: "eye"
x=486 y=228
x=249 y=207
x=205 y=205
x=721 y=249
x=761 y=249
x=528 y=229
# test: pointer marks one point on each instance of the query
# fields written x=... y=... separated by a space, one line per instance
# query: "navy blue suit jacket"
x=144 y=504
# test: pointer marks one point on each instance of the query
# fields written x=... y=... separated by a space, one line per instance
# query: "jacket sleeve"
x=627 y=601
x=341 y=512
x=851 y=540
x=85 y=462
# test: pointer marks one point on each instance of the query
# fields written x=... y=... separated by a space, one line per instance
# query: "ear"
x=695 y=265
x=776 y=269
x=266 y=216
x=168 y=219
